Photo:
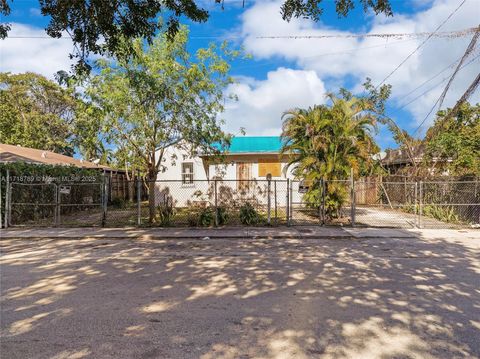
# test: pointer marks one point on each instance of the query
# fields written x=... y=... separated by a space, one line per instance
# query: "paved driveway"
x=238 y=298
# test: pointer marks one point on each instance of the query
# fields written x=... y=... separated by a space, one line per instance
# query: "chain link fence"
x=372 y=202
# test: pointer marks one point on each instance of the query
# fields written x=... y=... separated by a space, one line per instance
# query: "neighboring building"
x=247 y=159
x=396 y=161
x=15 y=153
x=12 y=153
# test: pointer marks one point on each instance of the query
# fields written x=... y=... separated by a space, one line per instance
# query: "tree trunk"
x=152 y=176
x=131 y=190
x=131 y=183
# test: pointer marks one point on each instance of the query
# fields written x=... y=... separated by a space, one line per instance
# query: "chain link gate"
x=55 y=204
x=31 y=204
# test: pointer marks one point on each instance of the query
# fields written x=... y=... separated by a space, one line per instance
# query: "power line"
x=436 y=75
x=434 y=86
x=444 y=34
x=423 y=43
x=468 y=51
x=430 y=79
x=438 y=100
x=347 y=51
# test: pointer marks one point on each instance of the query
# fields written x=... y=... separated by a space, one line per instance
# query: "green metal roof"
x=255 y=144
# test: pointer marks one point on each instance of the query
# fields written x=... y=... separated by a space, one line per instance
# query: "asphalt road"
x=238 y=298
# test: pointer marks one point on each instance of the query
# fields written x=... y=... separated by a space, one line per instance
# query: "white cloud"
x=371 y=57
x=261 y=103
x=42 y=55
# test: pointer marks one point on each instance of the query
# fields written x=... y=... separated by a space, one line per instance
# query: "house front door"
x=244 y=174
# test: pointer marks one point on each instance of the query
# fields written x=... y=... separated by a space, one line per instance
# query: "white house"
x=243 y=170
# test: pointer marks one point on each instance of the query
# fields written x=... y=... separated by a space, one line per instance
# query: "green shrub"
x=222 y=216
x=335 y=197
x=165 y=214
x=118 y=202
x=192 y=217
x=249 y=215
x=442 y=213
x=206 y=217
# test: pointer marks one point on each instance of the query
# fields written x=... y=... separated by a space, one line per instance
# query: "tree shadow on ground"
x=321 y=298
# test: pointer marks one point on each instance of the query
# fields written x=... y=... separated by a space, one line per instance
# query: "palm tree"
x=327 y=142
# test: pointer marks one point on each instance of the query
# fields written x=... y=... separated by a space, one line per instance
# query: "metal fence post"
x=216 y=202
x=7 y=200
x=269 y=204
x=324 y=196
x=420 y=209
x=275 y=199
x=288 y=202
x=415 y=204
x=56 y=214
x=352 y=198
x=320 y=203
x=104 y=199
x=1 y=182
x=139 y=199
x=1 y=211
x=9 y=211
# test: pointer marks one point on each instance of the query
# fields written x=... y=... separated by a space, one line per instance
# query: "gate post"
x=1 y=218
x=216 y=202
x=352 y=198
x=415 y=204
x=269 y=204
x=104 y=199
x=320 y=202
x=275 y=199
x=420 y=209
x=139 y=199
x=324 y=195
x=7 y=200
x=288 y=202
x=57 y=205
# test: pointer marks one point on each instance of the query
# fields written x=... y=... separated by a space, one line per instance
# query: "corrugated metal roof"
x=255 y=144
x=11 y=153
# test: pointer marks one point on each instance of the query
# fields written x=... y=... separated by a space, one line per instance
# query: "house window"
x=187 y=172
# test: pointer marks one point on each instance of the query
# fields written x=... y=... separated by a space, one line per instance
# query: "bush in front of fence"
x=249 y=215
x=222 y=216
x=165 y=214
x=442 y=213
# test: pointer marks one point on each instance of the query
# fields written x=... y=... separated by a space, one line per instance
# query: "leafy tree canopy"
x=38 y=113
x=327 y=142
x=99 y=27
x=455 y=141
x=162 y=97
x=35 y=112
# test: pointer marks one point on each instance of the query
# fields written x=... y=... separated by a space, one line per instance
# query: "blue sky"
x=286 y=73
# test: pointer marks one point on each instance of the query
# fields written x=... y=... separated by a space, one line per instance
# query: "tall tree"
x=37 y=112
x=327 y=142
x=162 y=97
x=99 y=27
x=453 y=142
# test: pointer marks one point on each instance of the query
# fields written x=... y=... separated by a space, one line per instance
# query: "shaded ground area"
x=241 y=298
x=372 y=216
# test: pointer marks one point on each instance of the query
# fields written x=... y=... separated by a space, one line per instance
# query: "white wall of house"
x=170 y=183
x=174 y=158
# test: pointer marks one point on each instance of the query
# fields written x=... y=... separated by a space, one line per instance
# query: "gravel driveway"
x=239 y=298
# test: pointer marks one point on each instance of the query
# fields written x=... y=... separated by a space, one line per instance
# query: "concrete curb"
x=268 y=233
